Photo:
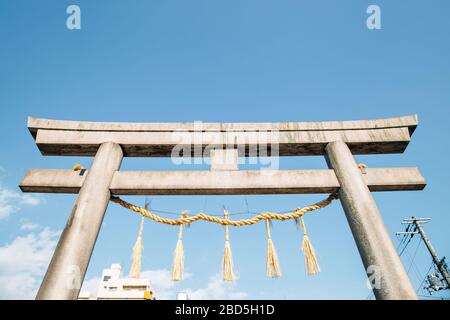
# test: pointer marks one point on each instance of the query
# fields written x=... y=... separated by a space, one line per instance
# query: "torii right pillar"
x=373 y=240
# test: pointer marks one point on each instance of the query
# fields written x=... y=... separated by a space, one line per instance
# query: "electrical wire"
x=412 y=263
x=404 y=235
x=407 y=242
x=218 y=215
x=420 y=287
x=369 y=296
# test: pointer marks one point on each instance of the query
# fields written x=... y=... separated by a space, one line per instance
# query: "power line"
x=369 y=296
x=420 y=287
x=411 y=235
x=220 y=214
x=435 y=283
x=412 y=263
x=404 y=236
x=400 y=242
x=439 y=263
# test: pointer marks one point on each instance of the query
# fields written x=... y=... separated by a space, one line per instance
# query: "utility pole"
x=440 y=263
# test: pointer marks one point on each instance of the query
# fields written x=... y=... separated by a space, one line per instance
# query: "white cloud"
x=217 y=289
x=30 y=200
x=161 y=280
x=162 y=283
x=11 y=201
x=23 y=263
x=6 y=205
x=28 y=226
x=91 y=286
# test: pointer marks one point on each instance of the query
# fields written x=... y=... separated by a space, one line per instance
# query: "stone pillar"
x=373 y=240
x=70 y=260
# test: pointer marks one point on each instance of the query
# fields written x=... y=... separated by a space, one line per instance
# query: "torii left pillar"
x=69 y=263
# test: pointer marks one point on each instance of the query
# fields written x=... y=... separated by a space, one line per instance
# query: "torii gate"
x=110 y=142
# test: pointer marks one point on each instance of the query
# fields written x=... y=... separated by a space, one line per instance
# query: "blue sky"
x=227 y=61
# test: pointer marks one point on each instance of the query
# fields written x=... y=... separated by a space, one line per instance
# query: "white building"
x=114 y=287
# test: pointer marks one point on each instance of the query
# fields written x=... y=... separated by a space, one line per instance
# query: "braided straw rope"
x=298 y=213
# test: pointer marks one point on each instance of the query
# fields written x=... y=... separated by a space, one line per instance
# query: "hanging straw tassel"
x=178 y=256
x=137 y=253
x=272 y=264
x=228 y=274
x=311 y=264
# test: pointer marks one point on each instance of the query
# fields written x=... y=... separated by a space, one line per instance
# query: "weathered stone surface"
x=34 y=124
x=378 y=253
x=224 y=159
x=73 y=252
x=222 y=182
x=72 y=138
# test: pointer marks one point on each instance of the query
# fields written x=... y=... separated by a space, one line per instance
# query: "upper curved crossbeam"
x=78 y=138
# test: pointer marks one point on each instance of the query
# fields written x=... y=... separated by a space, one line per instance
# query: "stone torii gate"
x=110 y=142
